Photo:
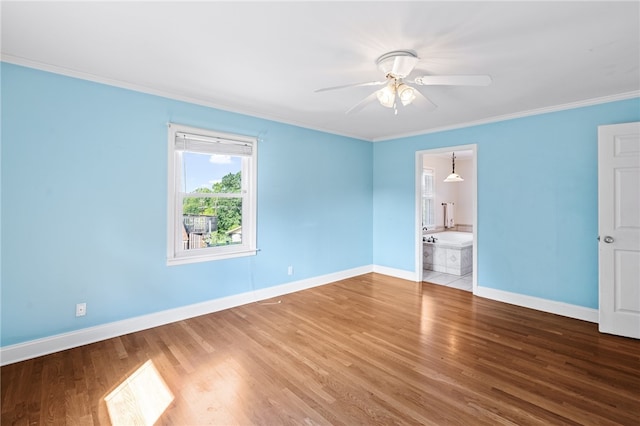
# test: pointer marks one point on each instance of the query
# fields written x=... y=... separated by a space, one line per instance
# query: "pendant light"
x=453 y=177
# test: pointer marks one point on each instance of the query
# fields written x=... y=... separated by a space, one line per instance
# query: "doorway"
x=446 y=193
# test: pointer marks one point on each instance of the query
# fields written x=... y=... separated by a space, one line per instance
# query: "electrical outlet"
x=81 y=309
x=290 y=270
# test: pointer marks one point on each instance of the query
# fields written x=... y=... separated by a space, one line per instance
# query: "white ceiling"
x=266 y=58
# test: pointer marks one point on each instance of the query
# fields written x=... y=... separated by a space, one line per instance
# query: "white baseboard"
x=398 y=273
x=544 y=305
x=60 y=342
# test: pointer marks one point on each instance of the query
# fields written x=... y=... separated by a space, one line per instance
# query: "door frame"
x=418 y=206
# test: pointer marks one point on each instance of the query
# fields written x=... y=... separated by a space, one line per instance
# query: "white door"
x=619 y=228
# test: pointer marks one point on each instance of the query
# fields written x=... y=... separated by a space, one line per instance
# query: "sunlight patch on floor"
x=140 y=399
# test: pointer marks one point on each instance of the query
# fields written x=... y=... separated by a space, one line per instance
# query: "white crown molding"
x=16 y=60
x=47 y=345
x=522 y=114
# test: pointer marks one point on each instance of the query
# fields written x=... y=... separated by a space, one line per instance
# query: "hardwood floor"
x=367 y=350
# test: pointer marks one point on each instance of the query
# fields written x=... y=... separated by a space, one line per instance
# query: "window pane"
x=203 y=171
x=428 y=213
x=428 y=183
x=211 y=221
x=219 y=224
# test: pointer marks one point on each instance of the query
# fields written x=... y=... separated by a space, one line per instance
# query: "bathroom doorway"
x=448 y=209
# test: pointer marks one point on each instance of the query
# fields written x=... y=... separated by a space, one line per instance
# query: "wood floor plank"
x=367 y=350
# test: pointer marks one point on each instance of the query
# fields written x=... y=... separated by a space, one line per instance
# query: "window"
x=211 y=195
x=428 y=198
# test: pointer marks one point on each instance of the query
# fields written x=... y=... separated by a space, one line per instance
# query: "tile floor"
x=464 y=282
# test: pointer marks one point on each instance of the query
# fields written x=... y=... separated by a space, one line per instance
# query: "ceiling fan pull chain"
x=395 y=96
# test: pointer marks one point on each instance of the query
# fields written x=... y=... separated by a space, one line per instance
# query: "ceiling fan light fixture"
x=406 y=94
x=396 y=66
x=398 y=63
x=387 y=96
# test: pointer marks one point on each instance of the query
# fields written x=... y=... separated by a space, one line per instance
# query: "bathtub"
x=452 y=252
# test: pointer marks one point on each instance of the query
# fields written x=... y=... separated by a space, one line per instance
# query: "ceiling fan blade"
x=369 y=83
x=422 y=99
x=453 y=80
x=363 y=103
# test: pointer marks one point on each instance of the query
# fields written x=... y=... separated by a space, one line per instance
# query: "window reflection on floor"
x=140 y=399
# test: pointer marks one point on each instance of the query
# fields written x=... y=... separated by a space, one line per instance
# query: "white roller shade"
x=214 y=145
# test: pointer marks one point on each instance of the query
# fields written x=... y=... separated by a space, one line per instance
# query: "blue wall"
x=83 y=205
x=84 y=177
x=537 y=200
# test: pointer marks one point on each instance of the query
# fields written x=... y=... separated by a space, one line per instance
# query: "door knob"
x=608 y=239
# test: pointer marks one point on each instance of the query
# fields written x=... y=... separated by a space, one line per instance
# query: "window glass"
x=428 y=198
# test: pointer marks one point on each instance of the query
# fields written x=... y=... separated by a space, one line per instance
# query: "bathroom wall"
x=464 y=200
x=458 y=193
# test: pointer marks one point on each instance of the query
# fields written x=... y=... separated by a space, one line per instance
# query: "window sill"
x=183 y=260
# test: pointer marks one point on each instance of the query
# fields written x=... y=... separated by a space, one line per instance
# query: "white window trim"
x=175 y=254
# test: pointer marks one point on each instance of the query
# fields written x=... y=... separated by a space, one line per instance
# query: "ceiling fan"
x=396 y=66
